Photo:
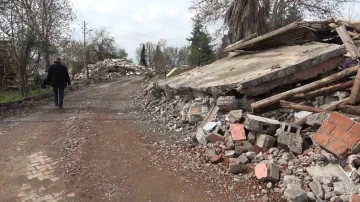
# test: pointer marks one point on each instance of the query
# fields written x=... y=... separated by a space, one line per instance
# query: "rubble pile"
x=111 y=68
x=290 y=118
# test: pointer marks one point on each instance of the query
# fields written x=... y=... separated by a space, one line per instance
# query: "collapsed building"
x=286 y=102
x=111 y=68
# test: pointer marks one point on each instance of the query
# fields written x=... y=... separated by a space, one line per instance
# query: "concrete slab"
x=255 y=74
x=331 y=170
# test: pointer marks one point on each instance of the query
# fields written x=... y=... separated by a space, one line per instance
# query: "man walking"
x=58 y=77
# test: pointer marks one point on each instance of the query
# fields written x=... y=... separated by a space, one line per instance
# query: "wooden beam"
x=348 y=42
x=354 y=97
x=296 y=106
x=325 y=90
x=239 y=46
x=350 y=109
x=268 y=102
x=330 y=107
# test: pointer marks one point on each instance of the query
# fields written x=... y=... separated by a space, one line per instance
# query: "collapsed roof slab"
x=258 y=73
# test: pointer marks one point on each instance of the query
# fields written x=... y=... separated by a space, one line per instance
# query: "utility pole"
x=85 y=66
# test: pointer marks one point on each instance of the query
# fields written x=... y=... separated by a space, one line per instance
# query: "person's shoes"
x=61 y=107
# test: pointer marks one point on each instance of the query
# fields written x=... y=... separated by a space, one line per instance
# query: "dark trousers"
x=59 y=96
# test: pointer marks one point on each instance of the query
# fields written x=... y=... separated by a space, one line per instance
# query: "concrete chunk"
x=242 y=147
x=227 y=103
x=267 y=172
x=295 y=193
x=252 y=137
x=229 y=143
x=265 y=141
x=317 y=119
x=200 y=136
x=289 y=138
x=235 y=116
x=236 y=167
x=261 y=125
x=316 y=188
x=195 y=113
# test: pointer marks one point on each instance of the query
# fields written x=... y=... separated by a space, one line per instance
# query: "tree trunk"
x=266 y=103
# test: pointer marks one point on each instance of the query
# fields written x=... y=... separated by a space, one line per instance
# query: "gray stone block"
x=261 y=125
x=316 y=188
x=289 y=138
x=265 y=141
x=295 y=193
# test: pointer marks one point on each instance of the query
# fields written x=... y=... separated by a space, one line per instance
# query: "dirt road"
x=93 y=150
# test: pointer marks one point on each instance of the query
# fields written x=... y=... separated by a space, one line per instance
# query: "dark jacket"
x=58 y=76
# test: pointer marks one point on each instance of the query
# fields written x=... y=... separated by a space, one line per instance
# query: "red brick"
x=261 y=171
x=215 y=138
x=341 y=121
x=256 y=149
x=322 y=139
x=237 y=132
x=355 y=198
x=355 y=130
x=326 y=128
x=338 y=148
x=347 y=138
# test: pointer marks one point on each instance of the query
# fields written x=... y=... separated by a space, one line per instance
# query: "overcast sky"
x=132 y=22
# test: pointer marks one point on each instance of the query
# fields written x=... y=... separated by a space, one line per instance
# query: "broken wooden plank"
x=252 y=36
x=354 y=97
x=268 y=102
x=350 y=109
x=348 y=42
x=325 y=90
x=296 y=106
x=329 y=107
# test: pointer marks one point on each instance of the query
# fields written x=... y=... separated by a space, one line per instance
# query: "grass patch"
x=10 y=96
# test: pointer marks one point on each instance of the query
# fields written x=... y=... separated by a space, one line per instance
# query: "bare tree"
x=250 y=11
x=102 y=44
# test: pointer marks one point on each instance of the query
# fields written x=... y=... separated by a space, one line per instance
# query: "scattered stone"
x=230 y=153
x=289 y=138
x=242 y=147
x=273 y=150
x=329 y=195
x=282 y=162
x=316 y=188
x=235 y=116
x=266 y=171
x=251 y=137
x=341 y=188
x=264 y=191
x=260 y=124
x=290 y=179
x=250 y=155
x=258 y=158
x=269 y=185
x=236 y=167
x=229 y=143
x=336 y=199
x=317 y=119
x=210 y=153
x=200 y=136
x=346 y=198
x=311 y=196
x=329 y=157
x=243 y=159
x=295 y=193
x=195 y=113
x=265 y=141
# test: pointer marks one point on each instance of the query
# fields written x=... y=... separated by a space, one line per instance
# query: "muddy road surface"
x=96 y=149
